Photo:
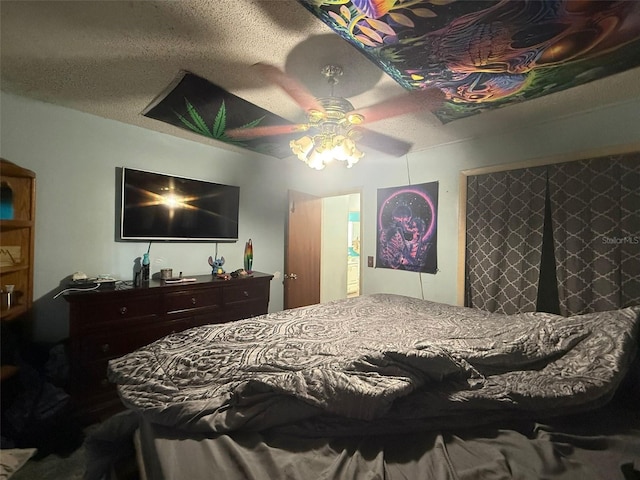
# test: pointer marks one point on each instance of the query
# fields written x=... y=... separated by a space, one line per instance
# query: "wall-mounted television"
x=157 y=206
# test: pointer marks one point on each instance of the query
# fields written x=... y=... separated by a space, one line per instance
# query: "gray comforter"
x=377 y=363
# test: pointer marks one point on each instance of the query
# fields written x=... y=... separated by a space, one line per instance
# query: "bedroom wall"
x=75 y=156
x=577 y=136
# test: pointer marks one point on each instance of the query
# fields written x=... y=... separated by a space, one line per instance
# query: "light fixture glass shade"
x=344 y=149
x=318 y=159
x=302 y=147
x=325 y=147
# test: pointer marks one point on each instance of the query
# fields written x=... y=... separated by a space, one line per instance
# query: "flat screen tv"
x=156 y=206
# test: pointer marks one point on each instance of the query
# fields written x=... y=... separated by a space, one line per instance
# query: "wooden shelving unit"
x=17 y=239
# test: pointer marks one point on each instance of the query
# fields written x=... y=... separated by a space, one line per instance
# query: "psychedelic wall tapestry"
x=195 y=104
x=487 y=54
x=407 y=228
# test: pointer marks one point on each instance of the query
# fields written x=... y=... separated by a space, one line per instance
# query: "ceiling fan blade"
x=265 y=131
x=410 y=102
x=298 y=92
x=384 y=143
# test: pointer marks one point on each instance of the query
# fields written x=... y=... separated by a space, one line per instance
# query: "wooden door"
x=302 y=250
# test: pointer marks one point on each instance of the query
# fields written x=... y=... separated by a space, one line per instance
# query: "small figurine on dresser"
x=217 y=265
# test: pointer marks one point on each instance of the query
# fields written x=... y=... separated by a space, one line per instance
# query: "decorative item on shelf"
x=10 y=255
x=6 y=202
x=216 y=265
x=248 y=256
x=166 y=273
x=7 y=297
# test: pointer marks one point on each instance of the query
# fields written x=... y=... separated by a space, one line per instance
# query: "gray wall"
x=75 y=155
x=577 y=136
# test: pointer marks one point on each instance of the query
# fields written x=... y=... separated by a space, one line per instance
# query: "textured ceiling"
x=112 y=58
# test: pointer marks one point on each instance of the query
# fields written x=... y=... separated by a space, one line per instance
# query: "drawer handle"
x=105 y=347
x=123 y=310
x=245 y=293
x=193 y=300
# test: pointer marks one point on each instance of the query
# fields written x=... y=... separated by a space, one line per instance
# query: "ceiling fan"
x=333 y=124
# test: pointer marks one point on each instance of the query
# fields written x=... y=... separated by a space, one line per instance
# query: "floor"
x=60 y=452
x=36 y=414
x=53 y=467
x=68 y=462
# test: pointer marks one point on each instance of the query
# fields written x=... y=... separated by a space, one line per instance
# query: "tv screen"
x=157 y=206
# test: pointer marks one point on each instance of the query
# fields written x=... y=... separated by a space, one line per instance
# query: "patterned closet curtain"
x=505 y=218
x=595 y=208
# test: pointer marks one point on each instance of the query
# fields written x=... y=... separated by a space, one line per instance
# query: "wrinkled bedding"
x=377 y=364
x=603 y=444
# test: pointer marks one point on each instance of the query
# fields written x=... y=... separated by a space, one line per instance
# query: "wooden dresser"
x=105 y=324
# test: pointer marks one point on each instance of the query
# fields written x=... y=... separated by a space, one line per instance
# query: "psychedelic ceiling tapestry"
x=407 y=228
x=488 y=54
x=195 y=104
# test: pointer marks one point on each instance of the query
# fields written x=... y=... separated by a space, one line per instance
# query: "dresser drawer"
x=240 y=310
x=246 y=292
x=115 y=343
x=119 y=310
x=193 y=299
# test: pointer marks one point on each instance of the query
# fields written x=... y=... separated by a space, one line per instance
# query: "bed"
x=385 y=386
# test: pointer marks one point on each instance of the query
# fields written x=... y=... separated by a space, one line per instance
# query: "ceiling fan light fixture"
x=321 y=149
x=335 y=124
x=335 y=139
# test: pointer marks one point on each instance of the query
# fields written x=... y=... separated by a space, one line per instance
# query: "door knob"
x=292 y=276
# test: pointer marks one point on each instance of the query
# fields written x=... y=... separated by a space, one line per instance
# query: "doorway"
x=337 y=228
x=340 y=247
x=353 y=256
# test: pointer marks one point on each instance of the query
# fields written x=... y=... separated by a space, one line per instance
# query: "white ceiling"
x=111 y=58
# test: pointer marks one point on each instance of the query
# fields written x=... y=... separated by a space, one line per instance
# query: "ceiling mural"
x=488 y=54
x=195 y=104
